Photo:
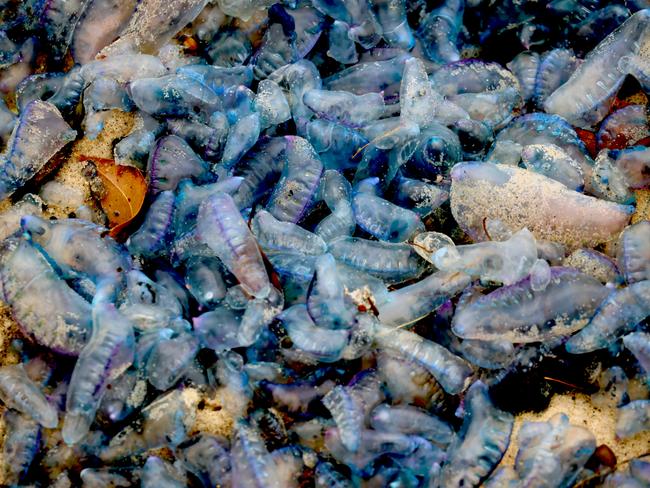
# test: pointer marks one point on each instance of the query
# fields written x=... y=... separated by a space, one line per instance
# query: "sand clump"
x=213 y=416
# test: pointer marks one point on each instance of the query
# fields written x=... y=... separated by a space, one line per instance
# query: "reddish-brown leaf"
x=125 y=191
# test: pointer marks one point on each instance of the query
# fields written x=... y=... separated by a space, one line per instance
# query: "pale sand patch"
x=116 y=126
x=642 y=206
x=213 y=419
x=216 y=413
x=9 y=331
x=601 y=421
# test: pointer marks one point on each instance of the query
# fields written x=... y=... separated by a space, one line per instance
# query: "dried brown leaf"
x=125 y=190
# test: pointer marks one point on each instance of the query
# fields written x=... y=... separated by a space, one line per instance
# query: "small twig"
x=373 y=306
x=379 y=137
x=360 y=149
x=485 y=229
x=419 y=246
x=548 y=378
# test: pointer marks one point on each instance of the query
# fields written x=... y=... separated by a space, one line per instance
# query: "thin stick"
x=564 y=383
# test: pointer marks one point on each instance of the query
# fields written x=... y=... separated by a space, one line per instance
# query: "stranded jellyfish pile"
x=362 y=235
